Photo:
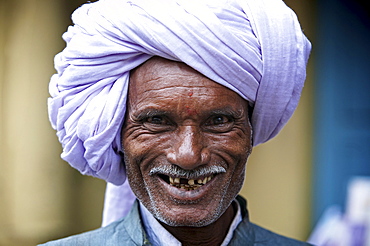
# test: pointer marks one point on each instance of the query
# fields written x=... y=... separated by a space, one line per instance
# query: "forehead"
x=159 y=75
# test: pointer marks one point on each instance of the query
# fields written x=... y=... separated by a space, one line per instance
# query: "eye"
x=157 y=123
x=219 y=123
x=220 y=119
x=157 y=119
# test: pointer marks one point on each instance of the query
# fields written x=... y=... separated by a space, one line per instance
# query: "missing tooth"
x=165 y=178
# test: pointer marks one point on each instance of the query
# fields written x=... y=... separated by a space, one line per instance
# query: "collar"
x=159 y=236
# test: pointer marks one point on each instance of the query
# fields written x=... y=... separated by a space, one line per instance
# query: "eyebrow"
x=227 y=112
x=149 y=112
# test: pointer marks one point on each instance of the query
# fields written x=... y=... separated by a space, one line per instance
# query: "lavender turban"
x=254 y=47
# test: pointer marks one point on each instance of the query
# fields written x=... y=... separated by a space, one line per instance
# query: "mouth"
x=187 y=180
x=184 y=183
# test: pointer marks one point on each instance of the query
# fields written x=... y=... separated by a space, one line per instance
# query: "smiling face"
x=186 y=140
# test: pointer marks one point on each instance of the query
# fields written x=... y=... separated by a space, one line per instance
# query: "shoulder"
x=266 y=237
x=128 y=230
x=101 y=236
x=248 y=233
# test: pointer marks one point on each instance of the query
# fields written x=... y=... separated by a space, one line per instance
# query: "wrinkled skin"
x=178 y=117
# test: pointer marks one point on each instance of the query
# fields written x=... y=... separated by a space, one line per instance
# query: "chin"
x=188 y=217
x=188 y=221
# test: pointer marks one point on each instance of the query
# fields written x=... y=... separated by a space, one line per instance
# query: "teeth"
x=191 y=185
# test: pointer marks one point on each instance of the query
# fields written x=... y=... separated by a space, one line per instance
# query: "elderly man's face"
x=186 y=141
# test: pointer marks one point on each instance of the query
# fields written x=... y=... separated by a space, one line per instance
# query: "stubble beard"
x=224 y=197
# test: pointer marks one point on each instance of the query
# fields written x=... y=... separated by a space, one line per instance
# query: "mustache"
x=176 y=171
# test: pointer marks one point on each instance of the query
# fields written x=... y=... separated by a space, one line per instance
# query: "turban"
x=254 y=47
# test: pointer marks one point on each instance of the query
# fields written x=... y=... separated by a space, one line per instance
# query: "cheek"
x=134 y=176
x=237 y=181
x=138 y=140
x=132 y=154
x=141 y=152
x=136 y=179
x=236 y=145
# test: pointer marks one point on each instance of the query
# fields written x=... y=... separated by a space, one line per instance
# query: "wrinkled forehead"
x=159 y=73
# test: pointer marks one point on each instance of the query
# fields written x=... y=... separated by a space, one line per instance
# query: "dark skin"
x=182 y=126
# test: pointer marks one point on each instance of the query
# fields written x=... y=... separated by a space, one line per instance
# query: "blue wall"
x=342 y=103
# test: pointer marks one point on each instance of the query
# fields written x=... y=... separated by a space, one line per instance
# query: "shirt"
x=159 y=236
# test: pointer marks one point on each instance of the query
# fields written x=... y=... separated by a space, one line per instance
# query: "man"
x=175 y=93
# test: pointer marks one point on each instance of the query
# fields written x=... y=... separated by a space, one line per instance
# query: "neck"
x=213 y=234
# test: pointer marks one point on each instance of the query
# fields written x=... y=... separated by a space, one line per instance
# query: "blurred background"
x=290 y=181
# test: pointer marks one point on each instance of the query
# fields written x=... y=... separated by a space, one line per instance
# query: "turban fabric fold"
x=254 y=47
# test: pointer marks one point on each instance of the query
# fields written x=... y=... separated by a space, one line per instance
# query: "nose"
x=188 y=150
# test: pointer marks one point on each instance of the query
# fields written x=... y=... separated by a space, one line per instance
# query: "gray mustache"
x=175 y=171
